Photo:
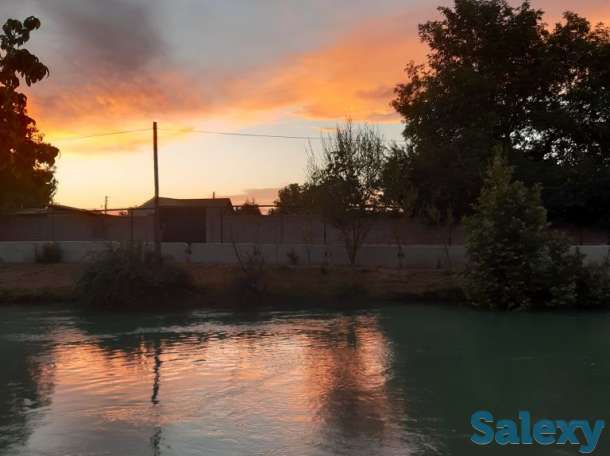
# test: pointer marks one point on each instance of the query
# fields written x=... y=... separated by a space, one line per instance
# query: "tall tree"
x=496 y=76
x=347 y=182
x=27 y=164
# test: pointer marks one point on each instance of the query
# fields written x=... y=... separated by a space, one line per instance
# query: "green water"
x=389 y=381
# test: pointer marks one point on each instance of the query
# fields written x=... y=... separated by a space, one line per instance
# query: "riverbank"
x=216 y=285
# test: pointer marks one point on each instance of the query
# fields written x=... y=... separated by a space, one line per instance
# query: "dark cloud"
x=117 y=35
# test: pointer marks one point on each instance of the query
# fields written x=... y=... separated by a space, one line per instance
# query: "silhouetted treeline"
x=497 y=77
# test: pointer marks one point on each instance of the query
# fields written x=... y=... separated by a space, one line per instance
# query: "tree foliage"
x=514 y=261
x=26 y=162
x=347 y=182
x=398 y=189
x=250 y=207
x=295 y=199
x=496 y=76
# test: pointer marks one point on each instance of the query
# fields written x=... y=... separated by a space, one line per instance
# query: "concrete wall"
x=261 y=229
x=303 y=229
x=72 y=226
x=413 y=256
x=220 y=227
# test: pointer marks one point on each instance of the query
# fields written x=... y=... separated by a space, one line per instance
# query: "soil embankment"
x=39 y=283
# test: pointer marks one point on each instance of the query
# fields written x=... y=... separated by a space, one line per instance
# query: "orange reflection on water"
x=279 y=383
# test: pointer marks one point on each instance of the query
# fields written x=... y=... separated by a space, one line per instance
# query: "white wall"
x=413 y=256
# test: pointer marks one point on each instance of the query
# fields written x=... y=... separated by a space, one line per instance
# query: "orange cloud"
x=105 y=103
x=354 y=76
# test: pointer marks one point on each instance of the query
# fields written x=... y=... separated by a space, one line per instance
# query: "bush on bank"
x=131 y=277
x=48 y=253
x=515 y=261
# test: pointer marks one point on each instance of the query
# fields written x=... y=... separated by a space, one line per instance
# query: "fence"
x=225 y=226
x=412 y=256
x=75 y=226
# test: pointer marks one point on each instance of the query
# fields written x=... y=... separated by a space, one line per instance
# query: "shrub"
x=293 y=257
x=513 y=259
x=253 y=280
x=130 y=278
x=594 y=286
x=49 y=253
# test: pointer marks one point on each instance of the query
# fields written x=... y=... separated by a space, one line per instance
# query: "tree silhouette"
x=249 y=208
x=497 y=76
x=295 y=199
x=27 y=164
x=347 y=182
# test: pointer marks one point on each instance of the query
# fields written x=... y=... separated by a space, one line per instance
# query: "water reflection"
x=26 y=383
x=176 y=384
x=346 y=371
x=393 y=381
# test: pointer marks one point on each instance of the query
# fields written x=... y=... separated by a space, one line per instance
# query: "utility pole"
x=157 y=220
x=105 y=205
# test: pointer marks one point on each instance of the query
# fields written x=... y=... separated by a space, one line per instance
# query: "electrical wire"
x=186 y=130
x=249 y=135
x=98 y=135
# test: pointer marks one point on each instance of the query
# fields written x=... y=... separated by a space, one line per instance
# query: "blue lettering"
x=568 y=432
x=544 y=432
x=526 y=423
x=477 y=421
x=591 y=436
x=507 y=433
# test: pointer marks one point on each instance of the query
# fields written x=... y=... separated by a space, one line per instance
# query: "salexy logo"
x=540 y=432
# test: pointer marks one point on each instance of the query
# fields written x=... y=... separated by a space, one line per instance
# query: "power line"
x=187 y=130
x=250 y=135
x=98 y=135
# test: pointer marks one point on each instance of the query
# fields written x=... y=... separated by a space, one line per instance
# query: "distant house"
x=55 y=209
x=187 y=220
x=54 y=222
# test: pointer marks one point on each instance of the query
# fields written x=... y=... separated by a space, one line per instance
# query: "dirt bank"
x=38 y=283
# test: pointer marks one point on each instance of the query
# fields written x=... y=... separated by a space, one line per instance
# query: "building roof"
x=55 y=208
x=190 y=202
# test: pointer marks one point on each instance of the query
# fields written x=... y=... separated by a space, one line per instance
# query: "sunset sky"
x=279 y=67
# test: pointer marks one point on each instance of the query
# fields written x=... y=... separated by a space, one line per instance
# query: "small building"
x=55 y=222
x=188 y=220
